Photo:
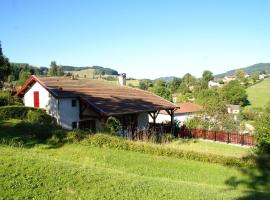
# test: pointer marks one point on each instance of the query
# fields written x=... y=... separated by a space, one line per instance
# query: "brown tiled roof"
x=187 y=107
x=104 y=96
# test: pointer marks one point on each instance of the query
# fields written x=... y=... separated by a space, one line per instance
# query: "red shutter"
x=36 y=99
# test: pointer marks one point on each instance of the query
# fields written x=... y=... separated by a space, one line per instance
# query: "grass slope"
x=76 y=171
x=259 y=94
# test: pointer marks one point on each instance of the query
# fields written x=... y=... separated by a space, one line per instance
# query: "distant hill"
x=167 y=79
x=97 y=69
x=253 y=69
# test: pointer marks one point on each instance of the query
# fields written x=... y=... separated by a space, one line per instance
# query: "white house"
x=87 y=103
x=212 y=84
x=227 y=79
x=184 y=112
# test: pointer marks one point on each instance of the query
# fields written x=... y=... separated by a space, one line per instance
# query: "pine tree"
x=5 y=69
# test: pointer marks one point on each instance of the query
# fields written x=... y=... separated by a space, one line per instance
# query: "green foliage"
x=167 y=138
x=234 y=93
x=23 y=76
x=145 y=84
x=113 y=126
x=184 y=98
x=204 y=96
x=162 y=91
x=174 y=84
x=262 y=133
x=4 y=98
x=14 y=112
x=251 y=113
x=55 y=70
x=5 y=68
x=75 y=136
x=40 y=117
x=206 y=77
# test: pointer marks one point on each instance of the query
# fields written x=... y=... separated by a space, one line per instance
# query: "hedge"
x=14 y=112
x=107 y=141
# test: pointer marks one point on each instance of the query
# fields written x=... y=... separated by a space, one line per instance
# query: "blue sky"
x=144 y=38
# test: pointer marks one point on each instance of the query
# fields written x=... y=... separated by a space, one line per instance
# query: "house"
x=233 y=109
x=88 y=103
x=212 y=84
x=227 y=79
x=262 y=76
x=184 y=112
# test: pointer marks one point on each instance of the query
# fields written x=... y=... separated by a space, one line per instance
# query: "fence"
x=221 y=136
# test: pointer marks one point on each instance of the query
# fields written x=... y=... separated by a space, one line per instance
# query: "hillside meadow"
x=259 y=94
x=82 y=170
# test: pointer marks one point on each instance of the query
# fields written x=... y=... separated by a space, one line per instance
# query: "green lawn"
x=259 y=94
x=76 y=171
x=211 y=147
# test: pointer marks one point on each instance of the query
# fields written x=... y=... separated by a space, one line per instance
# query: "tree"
x=262 y=133
x=161 y=91
x=206 y=77
x=203 y=97
x=24 y=75
x=240 y=76
x=5 y=69
x=145 y=84
x=60 y=71
x=53 y=69
x=234 y=93
x=174 y=84
x=255 y=77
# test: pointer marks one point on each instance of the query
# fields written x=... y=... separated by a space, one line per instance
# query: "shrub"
x=40 y=117
x=6 y=99
x=251 y=113
x=262 y=133
x=167 y=137
x=14 y=112
x=113 y=126
x=75 y=136
x=101 y=140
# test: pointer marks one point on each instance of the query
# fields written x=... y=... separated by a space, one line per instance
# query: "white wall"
x=67 y=113
x=43 y=96
x=163 y=118
x=61 y=109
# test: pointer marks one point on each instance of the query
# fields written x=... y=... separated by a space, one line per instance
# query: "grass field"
x=76 y=171
x=259 y=94
x=211 y=147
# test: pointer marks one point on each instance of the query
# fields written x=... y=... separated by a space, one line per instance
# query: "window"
x=74 y=125
x=74 y=103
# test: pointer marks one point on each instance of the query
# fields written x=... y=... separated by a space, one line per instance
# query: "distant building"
x=212 y=84
x=186 y=111
x=233 y=109
x=227 y=79
x=261 y=76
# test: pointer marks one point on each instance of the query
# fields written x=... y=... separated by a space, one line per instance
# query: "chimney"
x=122 y=79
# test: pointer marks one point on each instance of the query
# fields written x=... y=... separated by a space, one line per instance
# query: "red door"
x=36 y=99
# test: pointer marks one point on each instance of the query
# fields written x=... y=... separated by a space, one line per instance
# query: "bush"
x=14 y=112
x=40 y=117
x=6 y=99
x=113 y=126
x=102 y=140
x=251 y=113
x=167 y=138
x=75 y=136
x=262 y=133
